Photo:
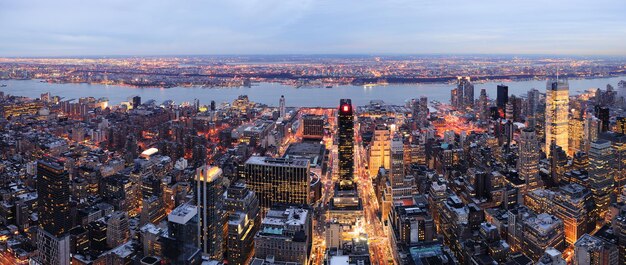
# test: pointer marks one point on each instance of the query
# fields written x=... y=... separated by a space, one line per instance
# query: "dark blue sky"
x=155 y=27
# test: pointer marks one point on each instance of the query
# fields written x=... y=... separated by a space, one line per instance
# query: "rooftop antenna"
x=557 y=75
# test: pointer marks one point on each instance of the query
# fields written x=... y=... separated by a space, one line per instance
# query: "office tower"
x=533 y=102
x=592 y=130
x=281 y=107
x=572 y=203
x=118 y=229
x=210 y=202
x=213 y=105
x=620 y=127
x=180 y=245
x=278 y=180
x=502 y=98
x=603 y=114
x=196 y=104
x=285 y=234
x=456 y=98
x=465 y=84
x=397 y=162
x=576 y=132
x=601 y=175
x=313 y=127
x=557 y=114
x=152 y=210
x=242 y=208
x=346 y=144
x=98 y=235
x=483 y=105
x=136 y=102
x=591 y=250
x=421 y=112
x=380 y=149
x=528 y=161
x=53 y=190
x=541 y=232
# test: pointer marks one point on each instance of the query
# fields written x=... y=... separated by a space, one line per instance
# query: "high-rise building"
x=313 y=127
x=278 y=180
x=346 y=144
x=281 y=107
x=53 y=189
x=242 y=208
x=528 y=161
x=380 y=149
x=557 y=114
x=210 y=202
x=620 y=127
x=118 y=229
x=601 y=175
x=483 y=105
x=181 y=242
x=136 y=102
x=540 y=232
x=468 y=91
x=604 y=115
x=285 y=234
x=420 y=110
x=502 y=97
x=591 y=250
x=397 y=162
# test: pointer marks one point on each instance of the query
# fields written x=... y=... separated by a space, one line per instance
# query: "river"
x=269 y=93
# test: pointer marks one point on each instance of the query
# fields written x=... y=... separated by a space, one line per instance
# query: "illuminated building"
x=528 y=161
x=118 y=229
x=576 y=132
x=552 y=257
x=210 y=202
x=242 y=207
x=592 y=130
x=313 y=127
x=483 y=105
x=420 y=110
x=53 y=189
x=541 y=232
x=281 y=107
x=278 y=180
x=591 y=250
x=502 y=97
x=152 y=210
x=397 y=162
x=346 y=143
x=286 y=234
x=29 y=108
x=572 y=203
x=557 y=114
x=601 y=175
x=380 y=150
x=465 y=84
x=533 y=107
x=620 y=127
x=181 y=242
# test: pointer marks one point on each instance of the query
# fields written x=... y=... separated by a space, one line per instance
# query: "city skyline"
x=140 y=28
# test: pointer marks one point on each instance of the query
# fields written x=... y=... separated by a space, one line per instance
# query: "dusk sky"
x=192 y=27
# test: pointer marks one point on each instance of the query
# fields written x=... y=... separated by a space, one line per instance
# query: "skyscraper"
x=210 y=201
x=346 y=143
x=557 y=119
x=242 y=207
x=180 y=246
x=501 y=99
x=601 y=175
x=528 y=162
x=278 y=180
x=380 y=150
x=468 y=91
x=281 y=106
x=53 y=189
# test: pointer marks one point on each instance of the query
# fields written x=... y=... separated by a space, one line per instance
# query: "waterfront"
x=268 y=93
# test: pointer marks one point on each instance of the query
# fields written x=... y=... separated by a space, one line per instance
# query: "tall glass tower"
x=557 y=119
x=346 y=143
